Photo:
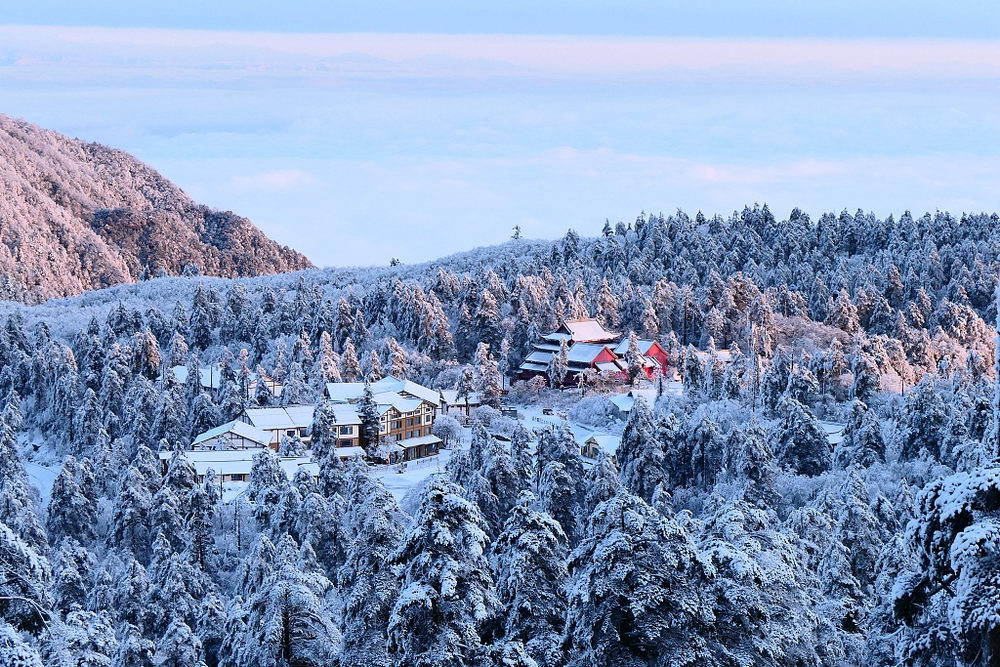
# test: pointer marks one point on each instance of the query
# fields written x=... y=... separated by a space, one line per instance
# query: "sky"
x=356 y=133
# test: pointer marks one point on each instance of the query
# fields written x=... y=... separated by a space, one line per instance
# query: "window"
x=345 y=430
x=236 y=478
x=290 y=432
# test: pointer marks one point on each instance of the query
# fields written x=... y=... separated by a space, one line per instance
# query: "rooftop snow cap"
x=587 y=331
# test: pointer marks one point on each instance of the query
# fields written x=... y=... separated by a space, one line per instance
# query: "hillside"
x=78 y=216
x=815 y=439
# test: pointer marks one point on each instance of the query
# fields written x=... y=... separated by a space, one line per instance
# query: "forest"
x=727 y=530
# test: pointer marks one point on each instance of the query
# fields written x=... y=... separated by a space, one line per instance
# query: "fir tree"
x=371 y=418
x=489 y=380
x=636 y=591
x=71 y=513
x=287 y=622
x=641 y=457
x=371 y=586
x=559 y=365
x=529 y=558
x=350 y=366
x=447 y=590
x=802 y=442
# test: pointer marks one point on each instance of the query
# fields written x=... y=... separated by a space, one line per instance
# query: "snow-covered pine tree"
x=637 y=592
x=948 y=596
x=447 y=589
x=368 y=411
x=374 y=371
x=634 y=358
x=489 y=381
x=178 y=646
x=640 y=455
x=529 y=558
x=398 y=364
x=350 y=365
x=70 y=512
x=288 y=621
x=559 y=365
x=801 y=441
x=371 y=588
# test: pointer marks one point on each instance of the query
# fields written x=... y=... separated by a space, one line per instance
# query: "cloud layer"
x=360 y=147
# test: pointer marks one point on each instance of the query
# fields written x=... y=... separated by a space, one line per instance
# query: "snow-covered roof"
x=291 y=465
x=622 y=347
x=345 y=391
x=240 y=461
x=211 y=376
x=538 y=357
x=532 y=366
x=350 y=452
x=451 y=397
x=416 y=442
x=210 y=455
x=273 y=419
x=623 y=402
x=345 y=415
x=557 y=336
x=587 y=331
x=236 y=427
x=609 y=366
x=392 y=399
x=387 y=391
x=605 y=442
x=722 y=355
x=392 y=383
x=584 y=353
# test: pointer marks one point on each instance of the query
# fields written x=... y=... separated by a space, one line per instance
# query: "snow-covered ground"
x=41 y=478
x=399 y=483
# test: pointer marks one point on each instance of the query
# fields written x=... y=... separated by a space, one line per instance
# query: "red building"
x=590 y=345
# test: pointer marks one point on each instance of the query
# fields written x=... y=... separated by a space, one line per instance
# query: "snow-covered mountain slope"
x=77 y=216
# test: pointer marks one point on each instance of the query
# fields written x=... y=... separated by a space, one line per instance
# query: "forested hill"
x=827 y=492
x=78 y=216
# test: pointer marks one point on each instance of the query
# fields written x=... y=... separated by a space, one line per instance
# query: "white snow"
x=41 y=478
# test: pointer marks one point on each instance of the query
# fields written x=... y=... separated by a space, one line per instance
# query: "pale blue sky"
x=354 y=141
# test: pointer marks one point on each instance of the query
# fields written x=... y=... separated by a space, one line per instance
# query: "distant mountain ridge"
x=77 y=216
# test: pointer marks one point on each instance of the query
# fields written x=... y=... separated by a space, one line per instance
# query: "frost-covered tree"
x=398 y=364
x=16 y=651
x=640 y=455
x=350 y=365
x=288 y=622
x=368 y=411
x=559 y=365
x=948 y=595
x=370 y=584
x=70 y=513
x=633 y=358
x=529 y=558
x=637 y=592
x=25 y=601
x=447 y=590
x=488 y=379
x=762 y=598
x=801 y=441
